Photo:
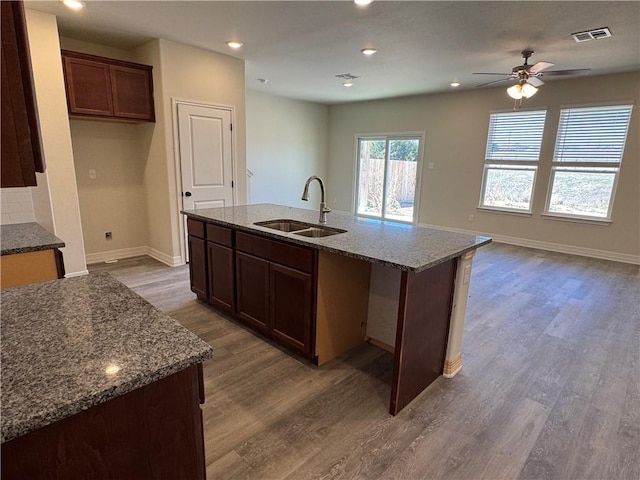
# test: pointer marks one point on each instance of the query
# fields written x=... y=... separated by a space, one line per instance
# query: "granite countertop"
x=397 y=245
x=26 y=237
x=70 y=344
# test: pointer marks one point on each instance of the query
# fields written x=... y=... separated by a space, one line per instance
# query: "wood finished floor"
x=550 y=386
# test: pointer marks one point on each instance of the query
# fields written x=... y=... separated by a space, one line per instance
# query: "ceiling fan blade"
x=559 y=73
x=495 y=81
x=487 y=73
x=536 y=82
x=538 y=67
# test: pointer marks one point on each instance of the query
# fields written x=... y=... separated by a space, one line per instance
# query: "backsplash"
x=16 y=205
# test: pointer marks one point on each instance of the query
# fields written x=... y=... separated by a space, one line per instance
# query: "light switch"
x=92 y=173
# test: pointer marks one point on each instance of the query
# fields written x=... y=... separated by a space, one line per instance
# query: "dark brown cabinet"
x=275 y=288
x=268 y=284
x=220 y=267
x=252 y=287
x=197 y=258
x=108 y=88
x=155 y=431
x=290 y=307
x=21 y=148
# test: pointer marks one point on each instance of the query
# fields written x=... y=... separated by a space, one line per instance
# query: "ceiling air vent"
x=594 y=34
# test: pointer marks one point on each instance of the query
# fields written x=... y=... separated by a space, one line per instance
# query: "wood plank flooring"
x=550 y=385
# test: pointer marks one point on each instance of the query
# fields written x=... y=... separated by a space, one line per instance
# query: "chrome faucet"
x=323 y=206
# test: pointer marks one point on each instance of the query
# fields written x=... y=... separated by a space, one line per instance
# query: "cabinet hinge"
x=231 y=183
x=231 y=127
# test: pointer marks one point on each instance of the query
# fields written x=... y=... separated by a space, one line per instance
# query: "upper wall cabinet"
x=107 y=88
x=21 y=148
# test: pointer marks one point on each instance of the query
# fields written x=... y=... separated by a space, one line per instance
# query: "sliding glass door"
x=388 y=173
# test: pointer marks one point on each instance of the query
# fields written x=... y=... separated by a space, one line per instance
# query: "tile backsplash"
x=16 y=205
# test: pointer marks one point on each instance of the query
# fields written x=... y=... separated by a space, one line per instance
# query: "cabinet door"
x=290 y=312
x=252 y=290
x=88 y=87
x=21 y=149
x=198 y=266
x=221 y=284
x=132 y=92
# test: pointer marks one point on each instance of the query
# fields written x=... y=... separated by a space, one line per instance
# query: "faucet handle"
x=326 y=209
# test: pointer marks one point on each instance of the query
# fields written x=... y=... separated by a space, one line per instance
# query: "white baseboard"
x=132 y=252
x=76 y=274
x=550 y=246
x=164 y=258
x=115 y=254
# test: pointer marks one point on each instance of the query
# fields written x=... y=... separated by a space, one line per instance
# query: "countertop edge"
x=9 y=432
x=301 y=241
x=37 y=248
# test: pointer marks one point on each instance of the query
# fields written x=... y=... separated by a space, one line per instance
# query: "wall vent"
x=594 y=34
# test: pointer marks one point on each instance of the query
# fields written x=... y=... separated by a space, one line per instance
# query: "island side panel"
x=342 y=299
x=424 y=311
x=152 y=432
x=384 y=292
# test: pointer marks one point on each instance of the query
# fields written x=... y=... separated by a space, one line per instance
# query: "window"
x=586 y=161
x=388 y=169
x=511 y=160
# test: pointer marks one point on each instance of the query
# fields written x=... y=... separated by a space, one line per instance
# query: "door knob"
x=187 y=194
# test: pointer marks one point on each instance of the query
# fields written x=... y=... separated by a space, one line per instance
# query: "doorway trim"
x=178 y=171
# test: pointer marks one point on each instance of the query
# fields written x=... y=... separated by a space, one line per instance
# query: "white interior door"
x=206 y=156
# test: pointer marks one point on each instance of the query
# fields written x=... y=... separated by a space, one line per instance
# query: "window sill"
x=504 y=211
x=565 y=218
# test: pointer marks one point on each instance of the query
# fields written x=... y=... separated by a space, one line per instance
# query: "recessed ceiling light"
x=455 y=84
x=263 y=80
x=234 y=44
x=368 y=51
x=348 y=83
x=74 y=4
x=362 y=2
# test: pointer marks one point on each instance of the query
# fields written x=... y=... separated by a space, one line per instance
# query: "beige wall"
x=56 y=140
x=115 y=200
x=456 y=134
x=194 y=74
x=286 y=143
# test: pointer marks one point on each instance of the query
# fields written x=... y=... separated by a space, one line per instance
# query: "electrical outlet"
x=108 y=235
x=431 y=165
x=471 y=218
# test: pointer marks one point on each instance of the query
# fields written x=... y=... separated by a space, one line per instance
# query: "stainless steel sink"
x=315 y=232
x=300 y=228
x=284 y=225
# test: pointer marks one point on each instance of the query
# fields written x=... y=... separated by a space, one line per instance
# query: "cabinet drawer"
x=221 y=235
x=195 y=228
x=292 y=256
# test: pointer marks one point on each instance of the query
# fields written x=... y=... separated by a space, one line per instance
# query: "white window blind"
x=586 y=161
x=515 y=136
x=592 y=134
x=511 y=160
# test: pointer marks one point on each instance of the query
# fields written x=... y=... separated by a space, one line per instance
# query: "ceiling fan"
x=529 y=76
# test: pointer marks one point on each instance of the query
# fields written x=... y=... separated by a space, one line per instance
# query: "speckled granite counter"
x=70 y=344
x=396 y=245
x=26 y=237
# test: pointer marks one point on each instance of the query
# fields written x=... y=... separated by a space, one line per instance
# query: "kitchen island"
x=401 y=287
x=29 y=254
x=97 y=383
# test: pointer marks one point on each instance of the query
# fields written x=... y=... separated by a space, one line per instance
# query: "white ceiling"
x=422 y=46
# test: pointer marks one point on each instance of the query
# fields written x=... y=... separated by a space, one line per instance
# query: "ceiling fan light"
x=528 y=90
x=515 y=91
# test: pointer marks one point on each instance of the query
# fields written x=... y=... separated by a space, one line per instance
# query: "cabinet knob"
x=187 y=194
